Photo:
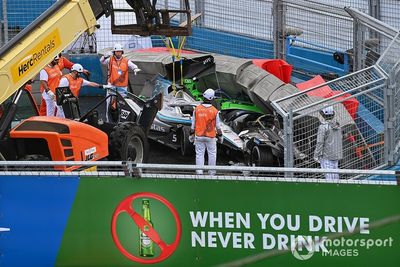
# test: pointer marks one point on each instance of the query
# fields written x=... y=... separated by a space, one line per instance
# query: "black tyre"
x=34 y=157
x=128 y=142
x=262 y=156
x=187 y=148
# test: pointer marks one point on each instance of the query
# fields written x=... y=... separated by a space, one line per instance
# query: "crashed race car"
x=171 y=125
x=246 y=130
x=260 y=133
x=245 y=81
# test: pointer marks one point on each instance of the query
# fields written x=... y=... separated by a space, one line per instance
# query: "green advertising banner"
x=168 y=222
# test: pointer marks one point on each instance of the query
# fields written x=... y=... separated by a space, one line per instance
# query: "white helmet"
x=209 y=94
x=118 y=47
x=328 y=110
x=77 y=67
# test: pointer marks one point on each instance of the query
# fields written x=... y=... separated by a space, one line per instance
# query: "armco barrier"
x=67 y=220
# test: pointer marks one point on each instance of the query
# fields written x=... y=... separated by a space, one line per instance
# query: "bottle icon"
x=146 y=246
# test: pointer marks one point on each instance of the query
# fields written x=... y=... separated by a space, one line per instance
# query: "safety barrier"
x=364 y=106
x=71 y=219
x=180 y=171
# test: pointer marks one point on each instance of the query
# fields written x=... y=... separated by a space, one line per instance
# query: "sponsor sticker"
x=36 y=56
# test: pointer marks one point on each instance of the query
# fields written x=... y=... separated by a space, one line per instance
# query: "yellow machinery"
x=26 y=54
x=25 y=136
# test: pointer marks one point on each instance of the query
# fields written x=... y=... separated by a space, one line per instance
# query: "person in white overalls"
x=205 y=128
x=329 y=148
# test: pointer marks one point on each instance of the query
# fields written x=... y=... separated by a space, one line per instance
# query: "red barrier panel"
x=325 y=91
x=278 y=67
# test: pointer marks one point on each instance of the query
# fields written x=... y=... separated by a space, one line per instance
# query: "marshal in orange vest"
x=54 y=77
x=118 y=72
x=75 y=85
x=205 y=121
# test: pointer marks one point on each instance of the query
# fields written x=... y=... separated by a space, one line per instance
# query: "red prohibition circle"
x=166 y=249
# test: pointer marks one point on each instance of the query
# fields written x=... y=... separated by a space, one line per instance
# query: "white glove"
x=136 y=70
x=109 y=54
x=107 y=86
x=191 y=138
x=50 y=95
x=220 y=139
x=317 y=160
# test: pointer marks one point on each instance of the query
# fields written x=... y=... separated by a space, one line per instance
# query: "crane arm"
x=35 y=46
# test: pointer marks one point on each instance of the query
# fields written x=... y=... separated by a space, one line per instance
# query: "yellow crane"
x=32 y=137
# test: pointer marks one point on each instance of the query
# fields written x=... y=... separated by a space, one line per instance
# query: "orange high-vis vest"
x=54 y=78
x=74 y=84
x=205 y=121
x=28 y=87
x=63 y=62
x=118 y=72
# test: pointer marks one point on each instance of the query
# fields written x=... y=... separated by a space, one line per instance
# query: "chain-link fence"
x=15 y=15
x=252 y=29
x=389 y=64
x=323 y=24
x=363 y=111
x=344 y=38
x=314 y=36
x=354 y=112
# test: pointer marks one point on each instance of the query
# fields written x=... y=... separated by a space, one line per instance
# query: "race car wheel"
x=187 y=148
x=128 y=142
x=262 y=156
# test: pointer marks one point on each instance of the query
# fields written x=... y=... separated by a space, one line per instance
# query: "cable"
x=176 y=55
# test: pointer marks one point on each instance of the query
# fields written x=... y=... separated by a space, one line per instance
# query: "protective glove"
x=51 y=95
x=191 y=138
x=220 y=138
x=108 y=54
x=317 y=160
x=106 y=86
x=136 y=70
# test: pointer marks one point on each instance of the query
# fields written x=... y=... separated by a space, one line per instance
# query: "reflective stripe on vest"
x=74 y=84
x=118 y=72
x=205 y=119
x=54 y=77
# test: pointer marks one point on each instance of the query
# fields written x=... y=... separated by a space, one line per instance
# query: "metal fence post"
x=199 y=7
x=288 y=132
x=389 y=117
x=375 y=12
x=181 y=7
x=279 y=28
x=375 y=9
x=358 y=41
x=5 y=20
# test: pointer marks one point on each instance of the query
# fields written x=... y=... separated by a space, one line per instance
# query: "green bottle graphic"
x=146 y=246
